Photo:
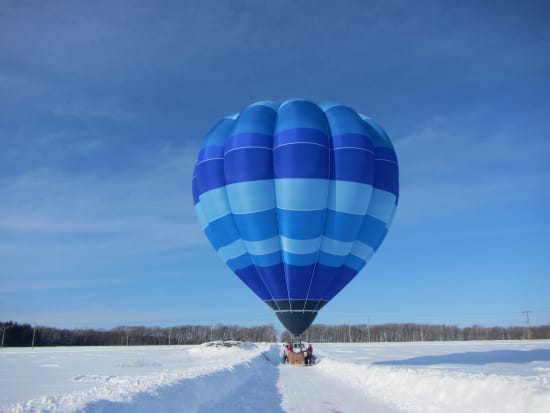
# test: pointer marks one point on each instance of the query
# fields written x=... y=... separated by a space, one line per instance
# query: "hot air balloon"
x=296 y=198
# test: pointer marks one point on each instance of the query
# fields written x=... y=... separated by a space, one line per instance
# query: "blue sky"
x=104 y=105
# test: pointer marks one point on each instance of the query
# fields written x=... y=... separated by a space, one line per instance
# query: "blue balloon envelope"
x=296 y=198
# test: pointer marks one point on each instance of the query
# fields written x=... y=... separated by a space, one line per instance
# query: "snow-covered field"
x=416 y=377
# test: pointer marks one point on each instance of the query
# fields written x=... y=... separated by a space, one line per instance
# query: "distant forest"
x=24 y=335
x=363 y=333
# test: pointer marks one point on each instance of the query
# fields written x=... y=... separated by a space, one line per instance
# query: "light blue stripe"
x=390 y=220
x=362 y=250
x=296 y=194
x=263 y=247
x=232 y=250
x=382 y=205
x=251 y=196
x=350 y=197
x=335 y=247
x=213 y=204
x=300 y=246
x=200 y=215
x=301 y=194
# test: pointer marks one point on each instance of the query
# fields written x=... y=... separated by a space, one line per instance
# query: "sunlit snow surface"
x=417 y=377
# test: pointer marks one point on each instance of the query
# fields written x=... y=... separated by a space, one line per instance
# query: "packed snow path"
x=308 y=389
x=414 y=377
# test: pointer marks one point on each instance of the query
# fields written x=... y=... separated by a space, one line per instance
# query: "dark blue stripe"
x=210 y=152
x=251 y=278
x=248 y=139
x=301 y=161
x=209 y=175
x=248 y=165
x=323 y=278
x=195 y=189
x=378 y=136
x=353 y=140
x=298 y=278
x=274 y=278
x=385 y=153
x=257 y=226
x=300 y=224
x=301 y=135
x=344 y=276
x=386 y=177
x=352 y=165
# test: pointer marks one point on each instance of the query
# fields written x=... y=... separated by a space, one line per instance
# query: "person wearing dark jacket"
x=309 y=356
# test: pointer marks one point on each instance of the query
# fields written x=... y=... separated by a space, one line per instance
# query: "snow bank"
x=430 y=390
x=415 y=377
x=205 y=387
x=227 y=390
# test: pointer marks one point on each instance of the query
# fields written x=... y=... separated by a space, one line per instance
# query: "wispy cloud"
x=454 y=165
x=46 y=201
x=99 y=109
x=72 y=223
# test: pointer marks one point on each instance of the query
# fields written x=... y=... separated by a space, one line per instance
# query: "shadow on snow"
x=244 y=387
x=476 y=357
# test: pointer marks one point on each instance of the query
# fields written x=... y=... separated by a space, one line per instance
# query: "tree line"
x=13 y=334
x=364 y=333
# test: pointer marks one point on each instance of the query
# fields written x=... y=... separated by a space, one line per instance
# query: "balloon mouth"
x=296 y=315
x=296 y=321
